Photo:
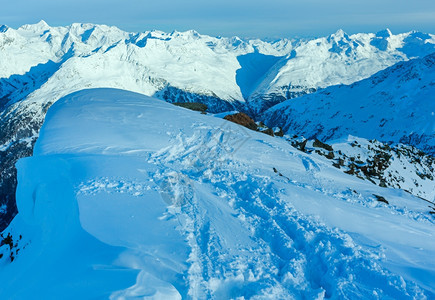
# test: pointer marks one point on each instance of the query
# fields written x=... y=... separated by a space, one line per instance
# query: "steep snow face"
x=337 y=59
x=395 y=105
x=128 y=196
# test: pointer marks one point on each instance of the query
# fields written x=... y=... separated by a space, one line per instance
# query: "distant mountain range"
x=42 y=63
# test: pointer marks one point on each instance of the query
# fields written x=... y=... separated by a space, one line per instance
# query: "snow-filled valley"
x=129 y=197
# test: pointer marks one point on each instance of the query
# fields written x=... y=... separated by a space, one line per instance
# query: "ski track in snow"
x=289 y=255
x=112 y=185
x=305 y=254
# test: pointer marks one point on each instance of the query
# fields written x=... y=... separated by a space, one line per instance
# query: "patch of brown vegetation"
x=242 y=119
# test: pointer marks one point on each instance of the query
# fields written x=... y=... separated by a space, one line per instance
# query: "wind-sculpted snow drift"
x=130 y=197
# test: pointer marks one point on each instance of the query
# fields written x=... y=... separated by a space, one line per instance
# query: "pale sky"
x=271 y=18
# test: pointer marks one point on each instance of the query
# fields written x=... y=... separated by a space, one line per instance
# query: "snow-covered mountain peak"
x=417 y=44
x=188 y=34
x=384 y=40
x=309 y=65
x=411 y=72
x=263 y=73
x=339 y=35
x=394 y=105
x=39 y=27
x=209 y=65
x=337 y=59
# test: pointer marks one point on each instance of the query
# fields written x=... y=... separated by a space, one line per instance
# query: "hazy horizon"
x=276 y=18
x=221 y=35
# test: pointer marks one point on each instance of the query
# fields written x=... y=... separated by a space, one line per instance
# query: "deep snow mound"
x=128 y=196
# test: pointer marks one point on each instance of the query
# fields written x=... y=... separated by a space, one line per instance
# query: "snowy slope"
x=397 y=104
x=336 y=59
x=399 y=166
x=127 y=196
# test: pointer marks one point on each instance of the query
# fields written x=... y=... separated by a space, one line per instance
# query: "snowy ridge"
x=337 y=59
x=394 y=105
x=143 y=62
x=40 y=64
x=224 y=223
x=229 y=69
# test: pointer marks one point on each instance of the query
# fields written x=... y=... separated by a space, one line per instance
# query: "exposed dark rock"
x=268 y=131
x=13 y=247
x=319 y=144
x=382 y=183
x=376 y=164
x=330 y=155
x=300 y=145
x=242 y=119
x=18 y=130
x=279 y=132
x=381 y=199
x=214 y=103
x=7 y=241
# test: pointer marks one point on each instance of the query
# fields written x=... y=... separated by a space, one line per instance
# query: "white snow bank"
x=130 y=197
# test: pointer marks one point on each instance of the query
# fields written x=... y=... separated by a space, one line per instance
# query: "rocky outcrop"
x=396 y=166
x=242 y=119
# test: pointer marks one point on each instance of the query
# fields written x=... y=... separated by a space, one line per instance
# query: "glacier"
x=129 y=197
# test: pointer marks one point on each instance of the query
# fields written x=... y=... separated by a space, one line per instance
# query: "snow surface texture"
x=130 y=197
x=394 y=105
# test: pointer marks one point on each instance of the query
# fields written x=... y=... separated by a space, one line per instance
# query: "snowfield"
x=129 y=197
